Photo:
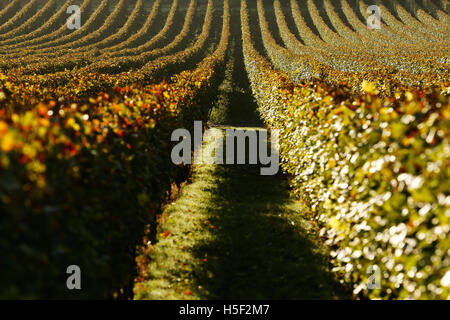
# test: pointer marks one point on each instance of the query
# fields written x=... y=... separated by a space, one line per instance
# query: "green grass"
x=235 y=104
x=234 y=234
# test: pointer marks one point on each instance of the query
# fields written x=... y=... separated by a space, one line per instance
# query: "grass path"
x=233 y=233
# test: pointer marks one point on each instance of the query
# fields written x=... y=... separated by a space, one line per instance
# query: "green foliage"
x=80 y=181
x=374 y=171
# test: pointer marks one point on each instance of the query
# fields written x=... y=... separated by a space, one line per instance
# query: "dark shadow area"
x=235 y=105
x=306 y=16
x=269 y=13
x=242 y=109
x=324 y=15
x=430 y=6
x=286 y=8
x=262 y=245
x=354 y=4
x=338 y=9
x=261 y=249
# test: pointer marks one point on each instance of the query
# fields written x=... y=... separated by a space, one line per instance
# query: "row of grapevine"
x=125 y=31
x=56 y=19
x=94 y=22
x=409 y=20
x=114 y=147
x=316 y=47
x=428 y=20
x=57 y=50
x=7 y=12
x=19 y=17
x=57 y=33
x=164 y=64
x=104 y=29
x=30 y=24
x=305 y=67
x=161 y=35
x=53 y=62
x=384 y=55
x=144 y=32
x=375 y=182
x=403 y=30
x=137 y=57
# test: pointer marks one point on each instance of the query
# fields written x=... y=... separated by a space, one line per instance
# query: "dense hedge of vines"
x=373 y=170
x=81 y=181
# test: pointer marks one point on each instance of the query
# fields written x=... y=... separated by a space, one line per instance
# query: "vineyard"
x=87 y=115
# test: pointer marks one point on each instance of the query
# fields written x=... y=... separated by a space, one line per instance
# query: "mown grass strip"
x=234 y=234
